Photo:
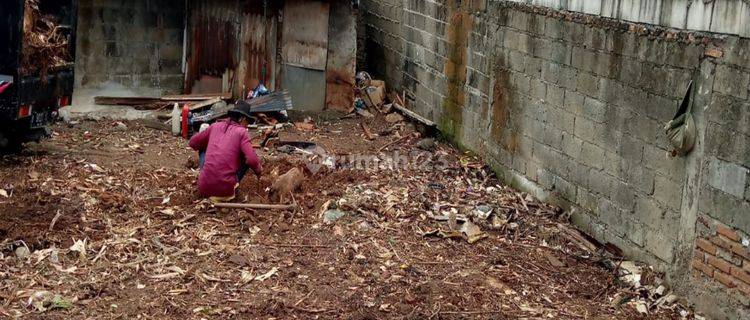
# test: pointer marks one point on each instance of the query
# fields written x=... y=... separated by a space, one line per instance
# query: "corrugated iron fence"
x=234 y=45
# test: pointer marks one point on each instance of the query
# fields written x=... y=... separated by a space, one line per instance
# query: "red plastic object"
x=24 y=111
x=185 y=113
x=4 y=86
x=63 y=101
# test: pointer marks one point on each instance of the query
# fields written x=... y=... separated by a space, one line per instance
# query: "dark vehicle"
x=31 y=88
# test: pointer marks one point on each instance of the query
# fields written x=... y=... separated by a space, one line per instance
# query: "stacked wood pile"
x=45 y=41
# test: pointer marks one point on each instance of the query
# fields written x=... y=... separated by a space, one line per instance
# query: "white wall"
x=721 y=16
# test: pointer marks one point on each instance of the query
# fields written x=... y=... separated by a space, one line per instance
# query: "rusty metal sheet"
x=213 y=27
x=272 y=39
x=258 y=63
x=305 y=34
x=214 y=46
x=253 y=62
x=342 y=57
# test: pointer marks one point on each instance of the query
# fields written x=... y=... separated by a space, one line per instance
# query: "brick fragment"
x=706 y=246
x=725 y=279
x=746 y=265
x=701 y=256
x=720 y=264
x=729 y=257
x=727 y=232
x=740 y=250
x=714 y=53
x=719 y=242
x=741 y=275
x=706 y=269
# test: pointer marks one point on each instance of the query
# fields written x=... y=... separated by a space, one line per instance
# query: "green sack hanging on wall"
x=681 y=129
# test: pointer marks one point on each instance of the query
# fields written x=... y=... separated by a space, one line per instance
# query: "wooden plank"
x=154 y=124
x=204 y=104
x=150 y=103
x=577 y=238
x=413 y=115
x=197 y=97
x=125 y=101
x=305 y=34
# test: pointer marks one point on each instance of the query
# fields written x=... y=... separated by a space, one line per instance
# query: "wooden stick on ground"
x=367 y=131
x=259 y=206
x=393 y=142
x=400 y=100
x=282 y=245
x=54 y=220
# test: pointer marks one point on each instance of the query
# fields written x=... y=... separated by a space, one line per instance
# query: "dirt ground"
x=115 y=230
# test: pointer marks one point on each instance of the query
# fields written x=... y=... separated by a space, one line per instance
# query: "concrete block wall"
x=721 y=261
x=137 y=44
x=571 y=108
x=579 y=111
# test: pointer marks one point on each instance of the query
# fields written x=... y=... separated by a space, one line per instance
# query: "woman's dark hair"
x=236 y=117
x=242 y=110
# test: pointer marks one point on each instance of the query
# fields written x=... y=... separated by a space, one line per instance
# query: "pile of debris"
x=456 y=194
x=45 y=41
x=371 y=95
x=269 y=113
x=269 y=110
x=645 y=290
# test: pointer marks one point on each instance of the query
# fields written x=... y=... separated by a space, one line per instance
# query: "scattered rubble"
x=306 y=125
x=121 y=126
x=45 y=300
x=427 y=144
x=333 y=215
x=394 y=118
x=646 y=291
x=22 y=253
x=267 y=275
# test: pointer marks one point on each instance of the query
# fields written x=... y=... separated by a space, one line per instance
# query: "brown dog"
x=286 y=183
